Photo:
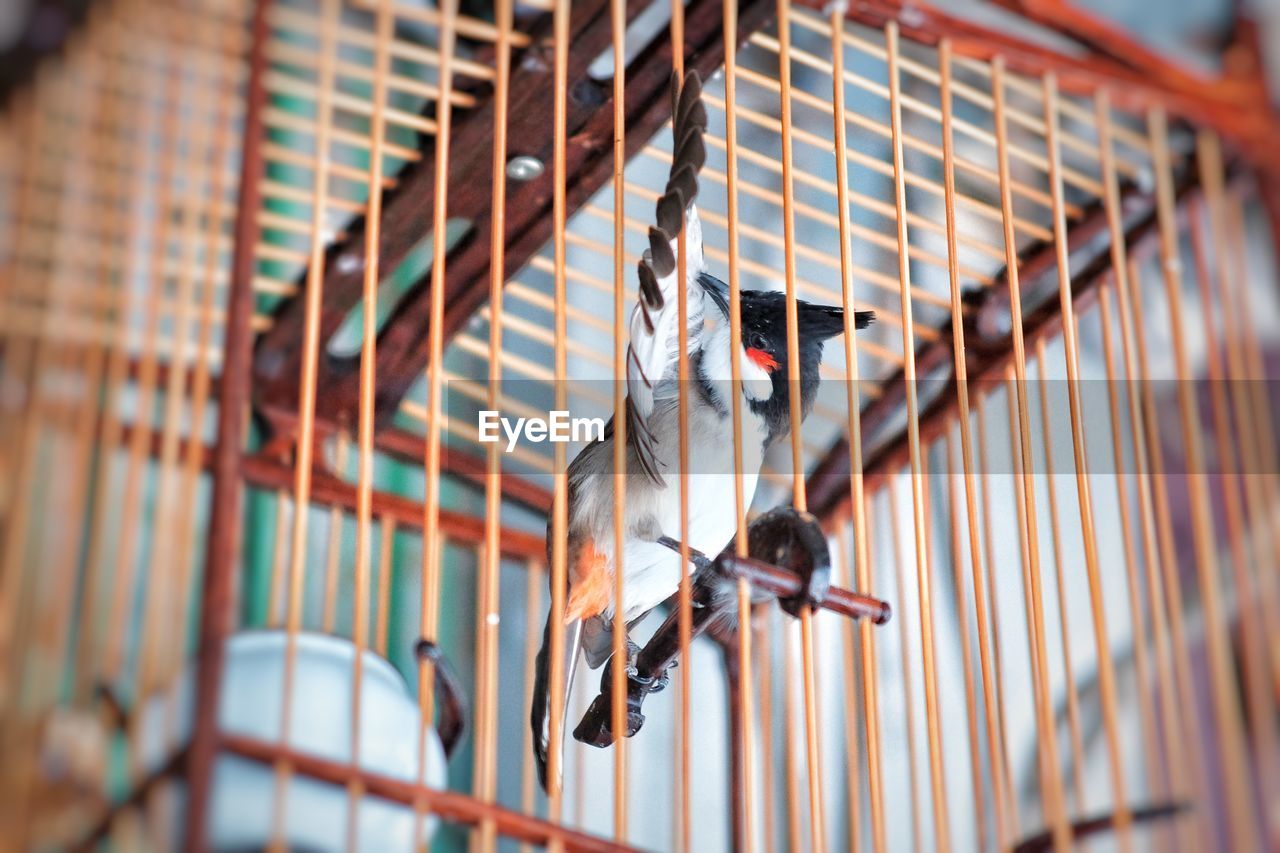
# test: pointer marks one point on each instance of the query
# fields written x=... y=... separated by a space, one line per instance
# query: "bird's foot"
x=633 y=651
x=660 y=681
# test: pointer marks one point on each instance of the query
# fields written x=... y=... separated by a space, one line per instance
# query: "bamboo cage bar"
x=262 y=262
x=1070 y=330
x=618 y=685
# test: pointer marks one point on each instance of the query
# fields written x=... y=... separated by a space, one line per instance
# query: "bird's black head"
x=764 y=345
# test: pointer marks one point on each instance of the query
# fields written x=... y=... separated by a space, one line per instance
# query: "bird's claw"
x=700 y=560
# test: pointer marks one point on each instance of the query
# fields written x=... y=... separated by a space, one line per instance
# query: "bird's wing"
x=655 y=344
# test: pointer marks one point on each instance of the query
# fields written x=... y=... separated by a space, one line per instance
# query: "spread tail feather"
x=540 y=707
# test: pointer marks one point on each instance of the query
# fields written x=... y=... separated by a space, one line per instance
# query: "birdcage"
x=266 y=583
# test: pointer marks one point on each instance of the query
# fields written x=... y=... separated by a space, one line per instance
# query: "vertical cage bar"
x=853 y=759
x=51 y=359
x=305 y=439
x=1119 y=272
x=817 y=819
x=941 y=819
x=1075 y=738
x=768 y=770
x=560 y=505
x=1192 y=727
x=386 y=570
x=222 y=549
x=1161 y=581
x=1003 y=766
x=962 y=627
x=790 y=774
x=116 y=76
x=1254 y=368
x=617 y=22
x=333 y=545
x=683 y=824
x=618 y=686
x=1252 y=418
x=744 y=786
x=861 y=575
x=1051 y=795
x=82 y=419
x=201 y=381
x=1213 y=180
x=908 y=693
x=1038 y=664
x=966 y=440
x=111 y=431
x=1156 y=784
x=384 y=33
x=485 y=782
x=432 y=541
x=1226 y=708
x=534 y=575
x=159 y=581
x=1102 y=641
x=128 y=547
x=1257 y=695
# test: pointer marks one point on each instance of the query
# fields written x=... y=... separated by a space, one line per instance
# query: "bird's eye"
x=758 y=341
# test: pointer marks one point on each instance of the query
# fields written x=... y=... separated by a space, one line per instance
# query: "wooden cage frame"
x=256 y=363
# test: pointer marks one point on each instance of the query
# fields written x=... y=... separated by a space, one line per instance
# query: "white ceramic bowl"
x=252 y=701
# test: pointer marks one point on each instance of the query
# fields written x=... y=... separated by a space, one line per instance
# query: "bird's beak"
x=821 y=322
x=717 y=290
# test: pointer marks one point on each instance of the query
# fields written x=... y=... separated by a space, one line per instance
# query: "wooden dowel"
x=1052 y=802
x=924 y=583
x=971 y=716
x=904 y=653
x=488 y=589
x=959 y=360
x=559 y=525
x=618 y=723
x=1097 y=602
x=1074 y=732
x=1259 y=697
x=861 y=571
x=333 y=548
x=305 y=441
x=1226 y=707
x=1000 y=743
x=380 y=115
x=1166 y=583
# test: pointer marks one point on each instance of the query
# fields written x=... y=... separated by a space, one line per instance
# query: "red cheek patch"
x=762 y=359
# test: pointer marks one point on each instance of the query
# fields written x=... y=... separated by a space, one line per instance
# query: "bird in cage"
x=651 y=567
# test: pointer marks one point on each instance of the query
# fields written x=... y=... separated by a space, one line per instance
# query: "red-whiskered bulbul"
x=651 y=568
